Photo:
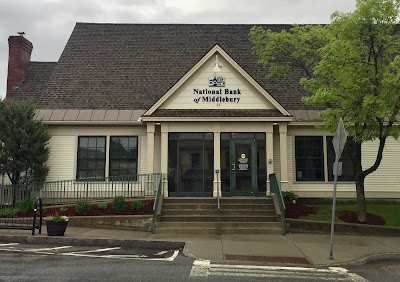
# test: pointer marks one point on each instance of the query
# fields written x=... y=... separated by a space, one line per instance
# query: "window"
x=309 y=158
x=347 y=165
x=311 y=163
x=123 y=155
x=91 y=157
x=190 y=163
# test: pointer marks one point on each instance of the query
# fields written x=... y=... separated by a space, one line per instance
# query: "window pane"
x=91 y=157
x=309 y=158
x=83 y=142
x=190 y=162
x=123 y=155
x=347 y=164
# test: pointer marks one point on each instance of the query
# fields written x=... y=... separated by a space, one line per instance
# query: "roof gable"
x=236 y=91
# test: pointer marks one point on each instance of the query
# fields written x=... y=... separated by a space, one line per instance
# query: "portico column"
x=283 y=155
x=270 y=153
x=164 y=157
x=217 y=161
x=150 y=147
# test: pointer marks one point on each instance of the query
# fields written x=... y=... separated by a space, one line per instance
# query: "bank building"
x=188 y=102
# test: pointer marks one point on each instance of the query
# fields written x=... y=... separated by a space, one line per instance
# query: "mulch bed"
x=298 y=210
x=147 y=209
x=351 y=217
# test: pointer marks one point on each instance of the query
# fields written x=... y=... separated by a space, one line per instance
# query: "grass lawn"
x=390 y=212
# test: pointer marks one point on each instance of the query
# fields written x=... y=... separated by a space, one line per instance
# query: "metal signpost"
x=339 y=140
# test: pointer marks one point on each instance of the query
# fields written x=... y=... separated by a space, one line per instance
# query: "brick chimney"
x=19 y=57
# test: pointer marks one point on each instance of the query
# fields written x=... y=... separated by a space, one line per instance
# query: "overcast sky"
x=49 y=23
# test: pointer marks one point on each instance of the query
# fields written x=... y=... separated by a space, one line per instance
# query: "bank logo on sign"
x=216 y=81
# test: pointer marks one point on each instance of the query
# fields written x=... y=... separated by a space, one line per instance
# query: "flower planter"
x=56 y=228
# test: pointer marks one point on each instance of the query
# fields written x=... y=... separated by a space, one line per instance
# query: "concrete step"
x=163 y=230
x=228 y=225
x=214 y=218
x=248 y=218
x=189 y=218
x=222 y=230
x=229 y=206
x=176 y=212
x=189 y=200
x=246 y=201
x=187 y=225
x=189 y=206
x=167 y=212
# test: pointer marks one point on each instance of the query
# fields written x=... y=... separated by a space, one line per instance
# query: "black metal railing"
x=281 y=204
x=157 y=200
x=71 y=191
x=218 y=206
x=11 y=218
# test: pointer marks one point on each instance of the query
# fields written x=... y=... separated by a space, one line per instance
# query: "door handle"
x=233 y=167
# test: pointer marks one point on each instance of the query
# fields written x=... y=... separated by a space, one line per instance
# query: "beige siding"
x=184 y=97
x=63 y=151
x=385 y=179
x=142 y=155
x=277 y=157
x=62 y=158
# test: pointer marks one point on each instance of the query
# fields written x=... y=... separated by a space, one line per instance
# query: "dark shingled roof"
x=130 y=66
x=34 y=83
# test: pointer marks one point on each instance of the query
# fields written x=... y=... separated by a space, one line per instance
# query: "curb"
x=371 y=258
x=140 y=244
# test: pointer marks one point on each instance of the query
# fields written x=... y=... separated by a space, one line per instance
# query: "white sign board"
x=339 y=140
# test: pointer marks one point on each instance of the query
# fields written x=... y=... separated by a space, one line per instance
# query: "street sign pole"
x=339 y=142
x=334 y=205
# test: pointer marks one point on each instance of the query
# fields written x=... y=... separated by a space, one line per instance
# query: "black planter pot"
x=55 y=228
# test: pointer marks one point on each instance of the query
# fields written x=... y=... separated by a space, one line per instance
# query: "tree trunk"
x=359 y=177
x=361 y=205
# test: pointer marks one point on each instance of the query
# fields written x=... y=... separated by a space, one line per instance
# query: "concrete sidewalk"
x=304 y=249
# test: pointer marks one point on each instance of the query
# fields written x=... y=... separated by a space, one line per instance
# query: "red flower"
x=49 y=214
x=58 y=213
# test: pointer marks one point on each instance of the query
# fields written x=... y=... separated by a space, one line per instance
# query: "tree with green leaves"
x=23 y=143
x=351 y=69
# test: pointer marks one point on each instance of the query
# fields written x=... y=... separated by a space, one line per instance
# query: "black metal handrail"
x=155 y=205
x=218 y=205
x=277 y=191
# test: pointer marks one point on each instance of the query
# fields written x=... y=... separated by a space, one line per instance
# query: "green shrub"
x=137 y=205
x=102 y=206
x=119 y=204
x=63 y=210
x=26 y=205
x=82 y=206
x=289 y=197
x=8 y=212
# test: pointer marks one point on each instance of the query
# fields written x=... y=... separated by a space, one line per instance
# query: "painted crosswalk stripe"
x=205 y=268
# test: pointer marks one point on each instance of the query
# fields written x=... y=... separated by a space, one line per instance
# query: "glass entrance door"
x=243 y=174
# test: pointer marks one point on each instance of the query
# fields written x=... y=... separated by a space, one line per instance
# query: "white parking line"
x=161 y=253
x=9 y=244
x=49 y=249
x=137 y=257
x=97 y=251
